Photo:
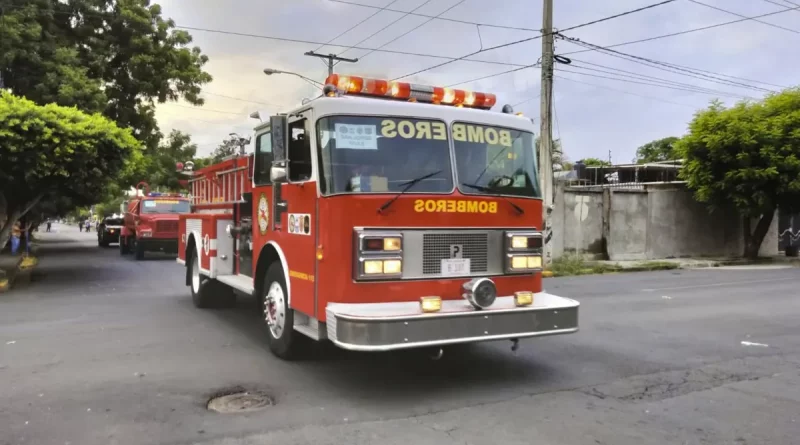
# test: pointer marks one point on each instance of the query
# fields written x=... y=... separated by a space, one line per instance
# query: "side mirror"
x=277 y=173
x=278 y=129
x=123 y=207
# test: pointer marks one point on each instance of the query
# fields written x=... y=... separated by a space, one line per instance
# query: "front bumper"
x=110 y=237
x=390 y=326
x=168 y=245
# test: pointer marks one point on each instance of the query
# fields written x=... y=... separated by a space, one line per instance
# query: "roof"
x=358 y=105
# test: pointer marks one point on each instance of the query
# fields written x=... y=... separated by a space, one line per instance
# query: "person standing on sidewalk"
x=49 y=223
x=16 y=234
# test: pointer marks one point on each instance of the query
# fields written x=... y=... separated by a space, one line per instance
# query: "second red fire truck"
x=383 y=215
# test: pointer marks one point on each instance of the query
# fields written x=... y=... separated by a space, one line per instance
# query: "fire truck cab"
x=380 y=216
x=150 y=223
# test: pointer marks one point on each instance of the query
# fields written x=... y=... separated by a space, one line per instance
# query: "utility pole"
x=546 y=131
x=331 y=58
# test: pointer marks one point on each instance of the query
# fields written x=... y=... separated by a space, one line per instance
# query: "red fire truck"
x=150 y=223
x=383 y=215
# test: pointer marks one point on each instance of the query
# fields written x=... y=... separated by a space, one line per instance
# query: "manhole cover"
x=240 y=402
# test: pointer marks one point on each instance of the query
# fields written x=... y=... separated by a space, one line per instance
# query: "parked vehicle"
x=108 y=230
x=379 y=222
x=150 y=223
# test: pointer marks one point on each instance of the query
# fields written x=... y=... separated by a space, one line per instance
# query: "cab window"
x=299 y=151
x=264 y=158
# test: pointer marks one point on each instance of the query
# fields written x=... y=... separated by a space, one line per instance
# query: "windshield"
x=382 y=154
x=495 y=160
x=113 y=221
x=165 y=206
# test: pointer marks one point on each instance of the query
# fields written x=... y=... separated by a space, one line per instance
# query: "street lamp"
x=271 y=71
x=240 y=141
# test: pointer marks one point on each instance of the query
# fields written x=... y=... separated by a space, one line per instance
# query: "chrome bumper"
x=389 y=326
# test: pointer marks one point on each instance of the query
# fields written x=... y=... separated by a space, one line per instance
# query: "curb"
x=21 y=271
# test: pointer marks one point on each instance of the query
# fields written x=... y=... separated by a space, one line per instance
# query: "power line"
x=624 y=92
x=658 y=64
x=745 y=17
x=649 y=39
x=354 y=26
x=242 y=100
x=204 y=109
x=464 y=22
x=781 y=4
x=526 y=100
x=416 y=27
x=616 y=71
x=593 y=22
x=386 y=27
x=622 y=79
x=313 y=42
x=494 y=75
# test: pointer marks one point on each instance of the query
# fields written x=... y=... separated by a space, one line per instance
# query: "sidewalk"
x=695 y=263
x=9 y=268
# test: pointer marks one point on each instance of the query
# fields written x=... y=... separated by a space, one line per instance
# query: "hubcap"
x=195 y=275
x=275 y=309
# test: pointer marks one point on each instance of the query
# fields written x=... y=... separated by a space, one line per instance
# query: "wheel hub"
x=275 y=309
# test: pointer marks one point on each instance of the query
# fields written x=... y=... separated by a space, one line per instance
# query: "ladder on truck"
x=222 y=183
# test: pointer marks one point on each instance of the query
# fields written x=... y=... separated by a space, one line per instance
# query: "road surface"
x=101 y=349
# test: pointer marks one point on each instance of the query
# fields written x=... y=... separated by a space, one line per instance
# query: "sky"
x=595 y=116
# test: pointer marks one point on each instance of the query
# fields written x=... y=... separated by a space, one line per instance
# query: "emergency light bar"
x=166 y=195
x=363 y=86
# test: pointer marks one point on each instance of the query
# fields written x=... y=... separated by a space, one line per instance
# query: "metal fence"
x=632 y=177
x=788 y=231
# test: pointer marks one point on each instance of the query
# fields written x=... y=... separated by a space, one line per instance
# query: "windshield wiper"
x=406 y=187
x=481 y=188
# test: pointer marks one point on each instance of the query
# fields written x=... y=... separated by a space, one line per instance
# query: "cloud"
x=608 y=115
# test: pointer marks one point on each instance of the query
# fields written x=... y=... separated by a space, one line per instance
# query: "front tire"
x=124 y=249
x=139 y=249
x=284 y=341
x=208 y=293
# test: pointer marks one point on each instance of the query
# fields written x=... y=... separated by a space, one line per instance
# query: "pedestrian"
x=49 y=223
x=16 y=234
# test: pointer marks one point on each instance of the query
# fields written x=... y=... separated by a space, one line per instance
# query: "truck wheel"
x=208 y=293
x=139 y=249
x=123 y=245
x=278 y=316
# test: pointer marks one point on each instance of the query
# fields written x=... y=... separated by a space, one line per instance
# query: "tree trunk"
x=5 y=232
x=754 y=238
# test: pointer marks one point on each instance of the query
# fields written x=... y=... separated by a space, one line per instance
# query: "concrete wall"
x=657 y=221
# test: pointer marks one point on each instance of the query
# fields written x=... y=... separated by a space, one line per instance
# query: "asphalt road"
x=100 y=349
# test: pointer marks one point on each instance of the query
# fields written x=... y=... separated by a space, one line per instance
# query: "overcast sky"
x=594 y=118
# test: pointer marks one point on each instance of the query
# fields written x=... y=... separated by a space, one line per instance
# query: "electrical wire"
x=242 y=100
x=416 y=27
x=688 y=31
x=744 y=16
x=172 y=104
x=625 y=92
x=494 y=75
x=464 y=22
x=619 y=79
x=638 y=76
x=482 y=50
x=659 y=65
x=356 y=25
x=781 y=4
x=386 y=27
x=526 y=100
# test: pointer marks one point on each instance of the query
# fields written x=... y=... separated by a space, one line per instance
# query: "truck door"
x=294 y=209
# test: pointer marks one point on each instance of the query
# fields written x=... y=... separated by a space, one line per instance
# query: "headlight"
x=381 y=268
x=523 y=252
x=146 y=233
x=480 y=292
x=520 y=263
x=379 y=255
x=373 y=243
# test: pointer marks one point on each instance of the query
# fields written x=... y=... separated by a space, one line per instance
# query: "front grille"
x=167 y=226
x=436 y=247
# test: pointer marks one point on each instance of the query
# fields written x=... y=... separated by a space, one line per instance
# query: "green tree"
x=747 y=156
x=595 y=162
x=658 y=150
x=58 y=151
x=161 y=170
x=557 y=155
x=118 y=57
x=227 y=148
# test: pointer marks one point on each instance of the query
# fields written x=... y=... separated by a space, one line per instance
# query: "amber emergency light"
x=388 y=89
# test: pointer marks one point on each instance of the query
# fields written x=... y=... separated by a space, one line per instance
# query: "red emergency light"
x=411 y=92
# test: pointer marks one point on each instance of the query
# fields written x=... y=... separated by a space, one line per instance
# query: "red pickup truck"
x=151 y=223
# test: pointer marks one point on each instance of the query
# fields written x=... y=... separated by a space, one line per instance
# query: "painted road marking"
x=727 y=283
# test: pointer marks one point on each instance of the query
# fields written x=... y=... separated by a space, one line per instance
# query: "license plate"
x=455 y=266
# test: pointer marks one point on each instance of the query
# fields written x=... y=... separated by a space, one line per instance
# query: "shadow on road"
x=401 y=375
